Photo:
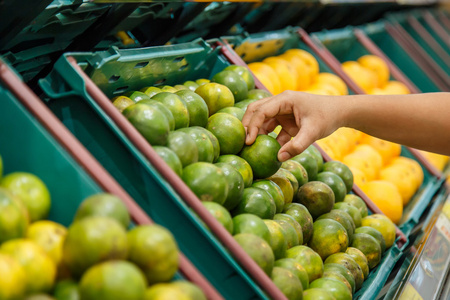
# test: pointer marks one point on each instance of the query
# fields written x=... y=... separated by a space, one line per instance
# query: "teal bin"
x=432 y=25
x=115 y=72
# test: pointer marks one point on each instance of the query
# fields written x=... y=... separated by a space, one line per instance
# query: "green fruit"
x=360 y=259
x=344 y=219
x=290 y=177
x=350 y=264
x=241 y=165
x=235 y=185
x=196 y=106
x=189 y=289
x=66 y=290
x=220 y=214
x=216 y=96
x=184 y=147
x=204 y=145
x=301 y=214
x=293 y=223
x=229 y=131
x=317 y=197
x=308 y=259
x=213 y=139
x=337 y=268
x=191 y=85
x=151 y=91
x=277 y=240
x=248 y=223
x=317 y=294
x=120 y=102
x=309 y=163
x=262 y=156
x=163 y=109
x=258 y=94
x=234 y=82
x=177 y=106
x=256 y=201
x=296 y=268
x=336 y=288
x=13 y=217
x=289 y=233
x=136 y=96
x=339 y=277
x=374 y=233
x=314 y=152
x=206 y=181
x=288 y=283
x=244 y=73
x=150 y=122
x=258 y=249
x=274 y=190
x=170 y=157
x=335 y=183
x=368 y=245
x=234 y=111
x=104 y=205
x=297 y=170
x=342 y=171
x=351 y=210
x=180 y=87
x=168 y=89
x=244 y=104
x=328 y=237
x=358 y=203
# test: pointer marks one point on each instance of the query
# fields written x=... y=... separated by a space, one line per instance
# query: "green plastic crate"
x=115 y=72
x=420 y=17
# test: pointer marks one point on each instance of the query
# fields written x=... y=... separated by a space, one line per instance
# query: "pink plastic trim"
x=434 y=24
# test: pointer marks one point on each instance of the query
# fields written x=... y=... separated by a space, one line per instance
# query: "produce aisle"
x=125 y=175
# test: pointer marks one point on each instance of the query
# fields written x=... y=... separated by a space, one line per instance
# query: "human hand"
x=305 y=117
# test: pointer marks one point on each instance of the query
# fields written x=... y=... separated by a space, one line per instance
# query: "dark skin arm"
x=420 y=121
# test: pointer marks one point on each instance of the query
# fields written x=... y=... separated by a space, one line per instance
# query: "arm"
x=420 y=121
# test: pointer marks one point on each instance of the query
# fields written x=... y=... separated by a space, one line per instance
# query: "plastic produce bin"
x=81 y=100
x=35 y=141
x=434 y=27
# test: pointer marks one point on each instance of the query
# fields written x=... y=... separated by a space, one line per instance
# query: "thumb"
x=297 y=145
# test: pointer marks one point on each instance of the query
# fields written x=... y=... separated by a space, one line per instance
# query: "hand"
x=305 y=117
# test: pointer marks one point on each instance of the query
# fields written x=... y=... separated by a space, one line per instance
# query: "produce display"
x=99 y=256
x=297 y=219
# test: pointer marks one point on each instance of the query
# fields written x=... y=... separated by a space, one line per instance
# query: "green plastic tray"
x=115 y=72
x=419 y=15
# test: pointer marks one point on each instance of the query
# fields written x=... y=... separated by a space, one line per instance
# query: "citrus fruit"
x=386 y=149
x=192 y=85
x=290 y=233
x=274 y=190
x=168 y=89
x=113 y=280
x=234 y=82
x=66 y=290
x=32 y=191
x=92 y=240
x=213 y=139
x=184 y=147
x=248 y=223
x=386 y=197
x=287 y=74
x=189 y=289
x=202 y=81
x=344 y=219
x=13 y=279
x=335 y=287
x=39 y=297
x=288 y=283
x=338 y=277
x=206 y=181
x=358 y=203
x=310 y=61
x=368 y=245
x=122 y=102
x=308 y=259
x=317 y=294
x=244 y=104
x=13 y=217
x=216 y=96
x=258 y=249
x=204 y=145
x=351 y=210
x=356 y=161
x=360 y=259
x=374 y=233
x=333 y=80
x=151 y=91
x=335 y=183
x=256 y=201
x=285 y=185
x=277 y=241
x=262 y=156
x=341 y=270
x=196 y=106
x=309 y=163
x=301 y=214
x=377 y=65
x=162 y=291
x=400 y=176
x=162 y=109
x=396 y=88
x=170 y=157
x=384 y=225
x=154 y=249
x=235 y=185
x=244 y=73
x=267 y=76
x=350 y=264
x=359 y=178
x=369 y=153
x=241 y=165
x=220 y=214
x=413 y=166
x=177 y=106
x=342 y=171
x=105 y=205
x=50 y=236
x=289 y=219
x=180 y=87
x=297 y=170
x=136 y=96
x=150 y=122
x=328 y=237
x=315 y=153
x=258 y=94
x=363 y=77
x=292 y=180
x=293 y=266
x=40 y=270
x=229 y=131
x=234 y=111
x=317 y=197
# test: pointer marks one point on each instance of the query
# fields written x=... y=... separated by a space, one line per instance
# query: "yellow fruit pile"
x=296 y=70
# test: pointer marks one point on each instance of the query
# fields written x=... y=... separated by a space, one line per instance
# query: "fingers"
x=297 y=145
x=283 y=137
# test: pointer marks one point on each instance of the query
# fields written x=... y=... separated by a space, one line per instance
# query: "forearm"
x=421 y=121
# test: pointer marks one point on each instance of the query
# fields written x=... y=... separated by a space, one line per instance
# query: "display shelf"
x=37 y=142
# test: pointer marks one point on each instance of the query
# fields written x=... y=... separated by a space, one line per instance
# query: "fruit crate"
x=434 y=27
x=37 y=142
x=78 y=91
